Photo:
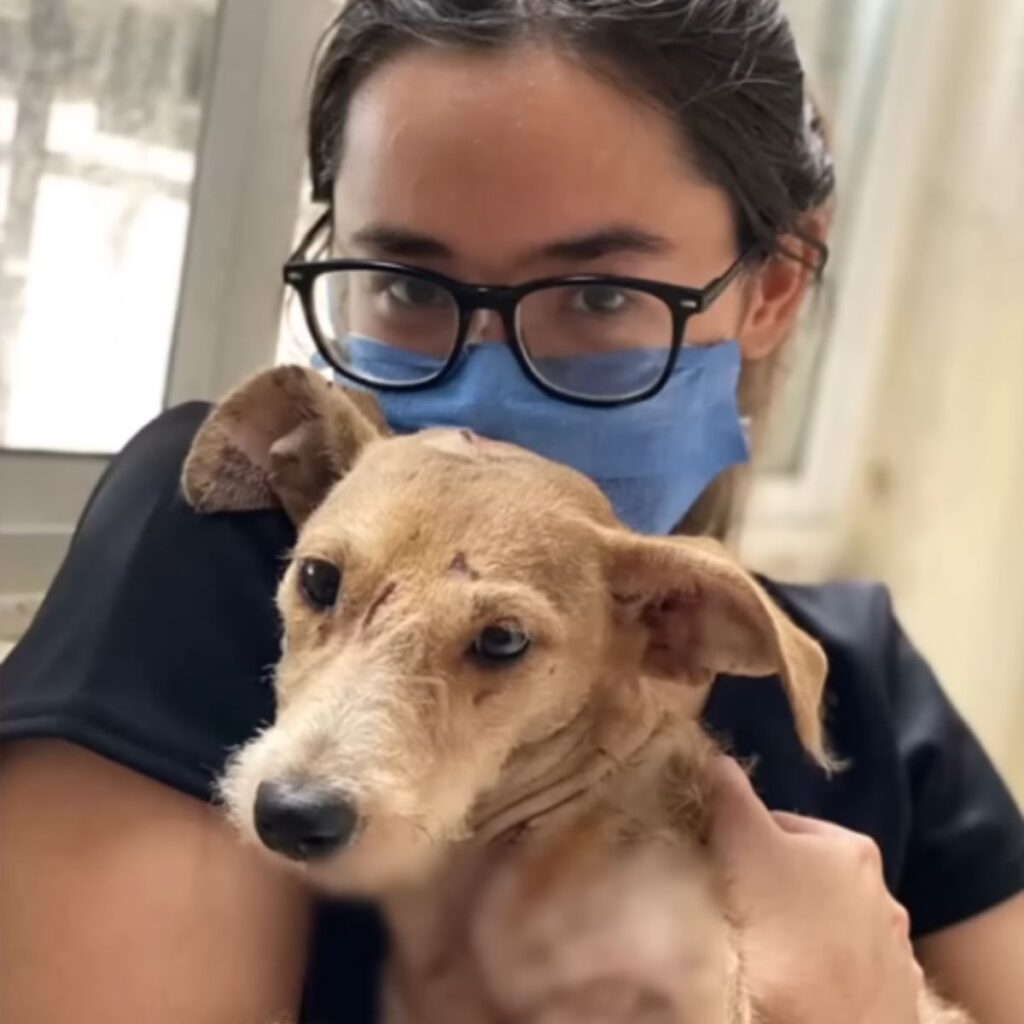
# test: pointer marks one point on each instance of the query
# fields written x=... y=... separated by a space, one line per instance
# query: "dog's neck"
x=557 y=773
x=543 y=787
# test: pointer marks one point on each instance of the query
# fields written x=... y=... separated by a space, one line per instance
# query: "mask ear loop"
x=747 y=427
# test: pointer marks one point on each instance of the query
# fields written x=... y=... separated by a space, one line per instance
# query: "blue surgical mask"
x=652 y=459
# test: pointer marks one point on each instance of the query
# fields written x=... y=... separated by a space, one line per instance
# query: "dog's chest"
x=613 y=890
x=590 y=904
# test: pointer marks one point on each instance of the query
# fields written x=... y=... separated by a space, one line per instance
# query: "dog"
x=487 y=714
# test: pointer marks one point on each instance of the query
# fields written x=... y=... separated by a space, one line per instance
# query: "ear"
x=282 y=439
x=778 y=289
x=705 y=615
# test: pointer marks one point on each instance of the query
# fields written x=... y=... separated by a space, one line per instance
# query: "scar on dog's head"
x=464 y=621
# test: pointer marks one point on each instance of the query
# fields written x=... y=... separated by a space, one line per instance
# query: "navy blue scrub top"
x=153 y=645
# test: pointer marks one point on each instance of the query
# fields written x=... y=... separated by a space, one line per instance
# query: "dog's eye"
x=319 y=582
x=501 y=644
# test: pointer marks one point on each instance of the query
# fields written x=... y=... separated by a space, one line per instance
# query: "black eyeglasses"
x=592 y=340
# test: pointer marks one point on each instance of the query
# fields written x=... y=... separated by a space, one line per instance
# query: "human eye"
x=408 y=293
x=600 y=299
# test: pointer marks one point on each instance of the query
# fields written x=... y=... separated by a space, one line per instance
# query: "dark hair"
x=726 y=71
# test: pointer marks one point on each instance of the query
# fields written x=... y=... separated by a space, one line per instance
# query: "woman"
x=498 y=142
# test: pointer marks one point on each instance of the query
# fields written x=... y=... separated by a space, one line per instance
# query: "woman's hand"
x=822 y=938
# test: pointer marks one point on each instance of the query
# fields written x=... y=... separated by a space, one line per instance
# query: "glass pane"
x=100 y=110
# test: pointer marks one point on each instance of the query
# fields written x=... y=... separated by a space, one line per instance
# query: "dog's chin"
x=385 y=856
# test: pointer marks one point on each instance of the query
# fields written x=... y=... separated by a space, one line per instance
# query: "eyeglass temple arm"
x=718 y=286
x=319 y=225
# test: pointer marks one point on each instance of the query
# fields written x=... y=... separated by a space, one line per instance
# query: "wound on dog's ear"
x=238 y=485
x=282 y=439
x=299 y=473
x=675 y=646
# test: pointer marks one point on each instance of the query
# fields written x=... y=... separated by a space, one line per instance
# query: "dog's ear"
x=704 y=615
x=282 y=439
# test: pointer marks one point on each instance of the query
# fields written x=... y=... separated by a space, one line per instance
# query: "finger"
x=801 y=825
x=740 y=822
x=857 y=848
x=899 y=918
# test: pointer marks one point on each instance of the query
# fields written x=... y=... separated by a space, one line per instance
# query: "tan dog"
x=487 y=712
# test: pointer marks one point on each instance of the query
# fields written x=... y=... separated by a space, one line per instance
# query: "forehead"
x=504 y=149
x=444 y=493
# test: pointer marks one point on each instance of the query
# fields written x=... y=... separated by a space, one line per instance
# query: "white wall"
x=941 y=514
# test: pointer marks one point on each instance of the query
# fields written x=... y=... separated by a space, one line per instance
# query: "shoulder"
x=138 y=508
x=154 y=456
x=143 y=480
x=915 y=778
x=165 y=441
x=154 y=642
x=855 y=625
x=864 y=711
x=155 y=551
x=853 y=621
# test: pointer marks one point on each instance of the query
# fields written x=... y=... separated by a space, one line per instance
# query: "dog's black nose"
x=303 y=822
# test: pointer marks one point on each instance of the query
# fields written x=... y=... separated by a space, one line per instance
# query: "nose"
x=303 y=822
x=485 y=326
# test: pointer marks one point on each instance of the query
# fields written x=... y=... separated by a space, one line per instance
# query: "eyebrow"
x=398 y=243
x=392 y=242
x=610 y=241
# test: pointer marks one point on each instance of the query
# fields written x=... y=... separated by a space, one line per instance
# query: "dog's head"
x=457 y=612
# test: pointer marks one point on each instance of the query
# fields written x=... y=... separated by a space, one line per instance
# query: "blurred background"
x=151 y=162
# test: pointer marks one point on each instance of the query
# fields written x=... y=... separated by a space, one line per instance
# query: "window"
x=148 y=155
x=846 y=48
x=887 y=62
x=100 y=112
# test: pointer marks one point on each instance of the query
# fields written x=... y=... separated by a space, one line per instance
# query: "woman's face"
x=498 y=168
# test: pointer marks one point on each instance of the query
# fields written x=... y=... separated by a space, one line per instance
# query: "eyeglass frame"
x=682 y=301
